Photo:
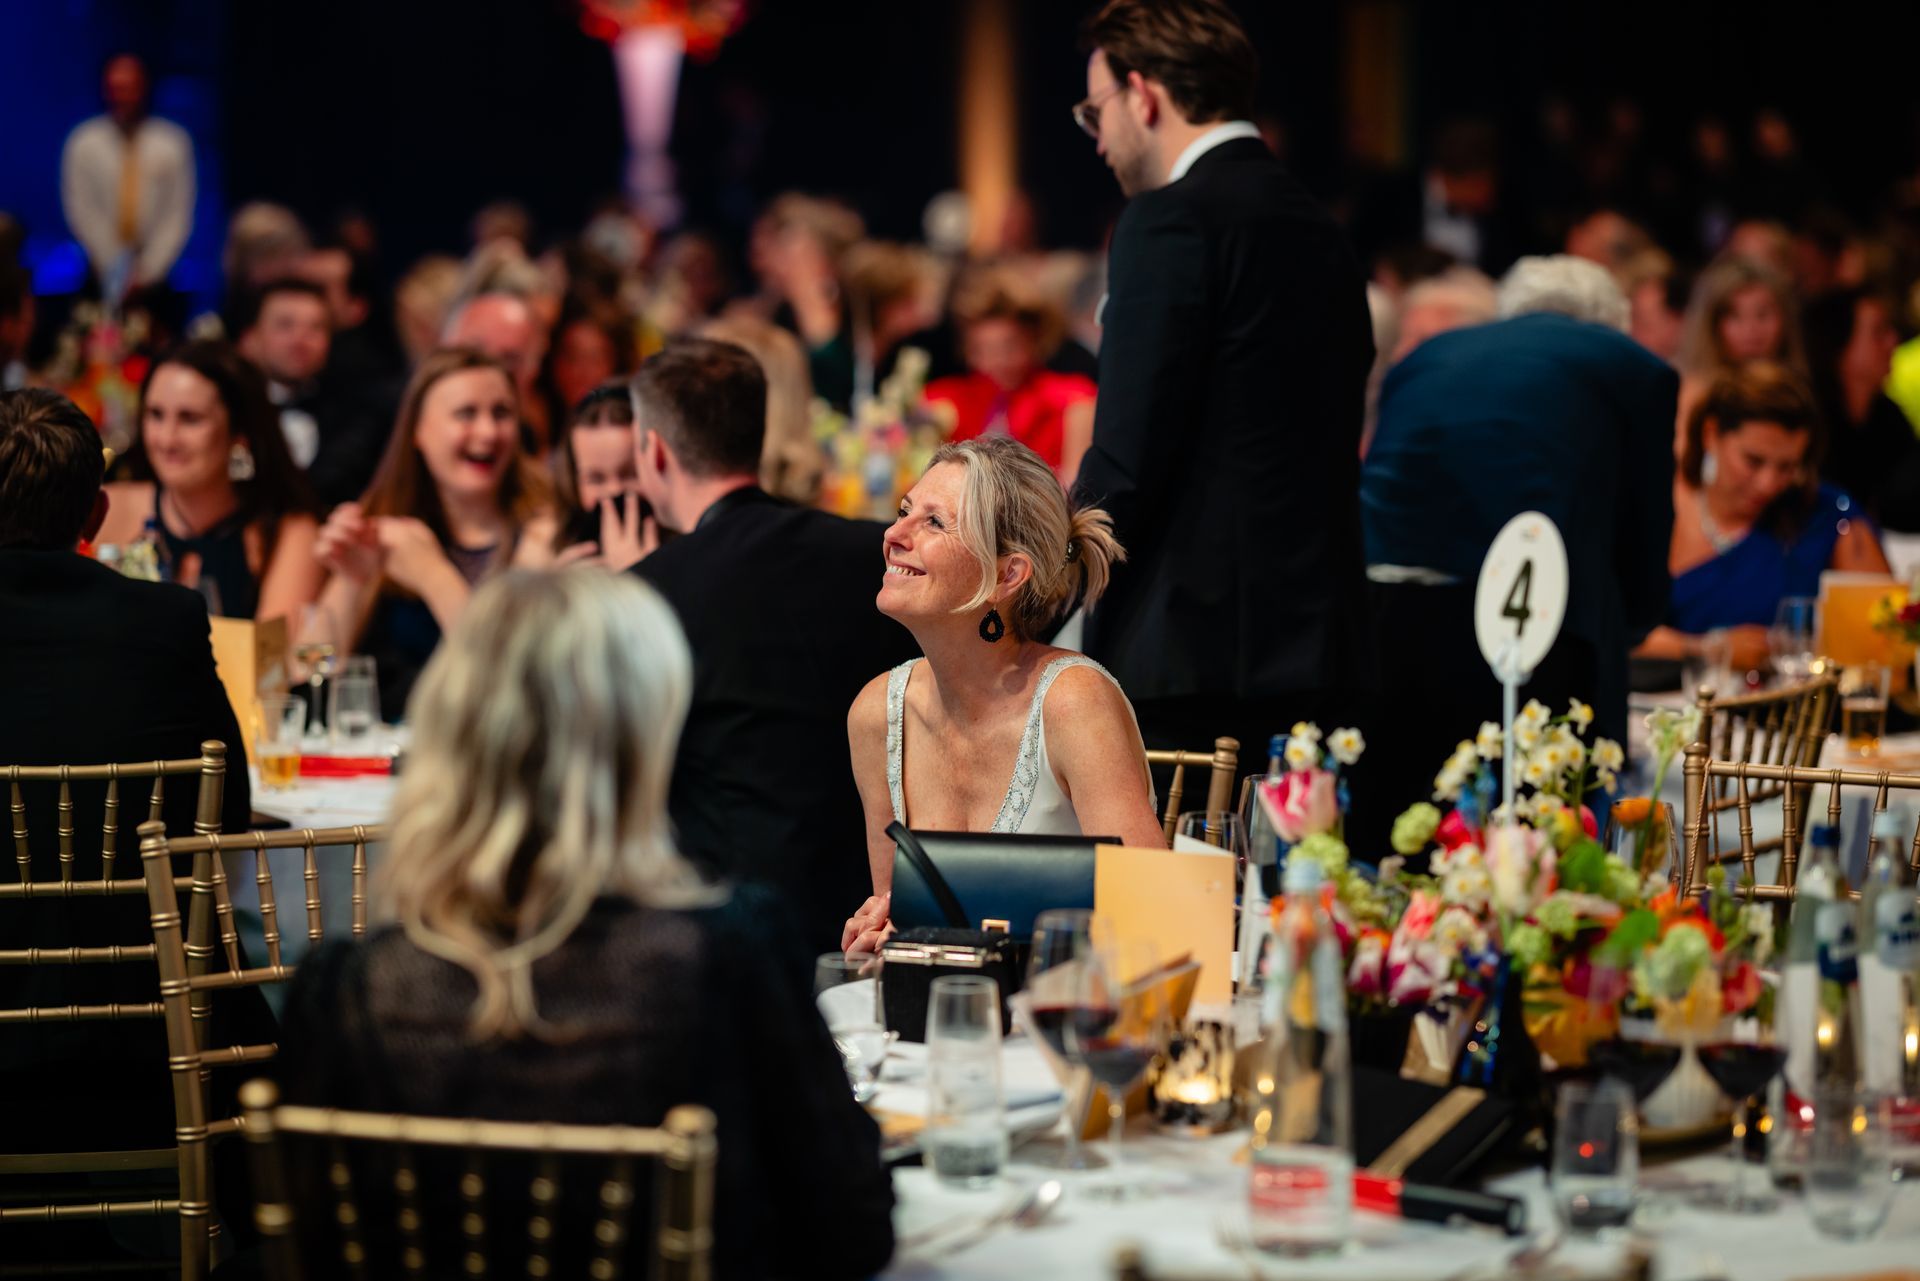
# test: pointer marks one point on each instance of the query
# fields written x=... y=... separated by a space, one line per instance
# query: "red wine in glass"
x=1052 y=1022
x=1643 y=1065
x=1741 y=1069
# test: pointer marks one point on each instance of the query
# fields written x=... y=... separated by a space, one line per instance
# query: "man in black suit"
x=94 y=668
x=1553 y=409
x=1232 y=373
x=777 y=602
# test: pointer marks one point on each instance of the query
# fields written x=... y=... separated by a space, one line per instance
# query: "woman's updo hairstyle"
x=1012 y=505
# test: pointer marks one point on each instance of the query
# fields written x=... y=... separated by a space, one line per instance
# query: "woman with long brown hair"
x=455 y=499
x=212 y=481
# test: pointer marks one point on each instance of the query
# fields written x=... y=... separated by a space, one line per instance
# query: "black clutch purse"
x=1004 y=880
x=922 y=952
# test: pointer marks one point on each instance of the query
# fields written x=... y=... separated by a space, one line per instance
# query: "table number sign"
x=1518 y=607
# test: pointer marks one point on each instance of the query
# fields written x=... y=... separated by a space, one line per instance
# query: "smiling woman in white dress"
x=993 y=730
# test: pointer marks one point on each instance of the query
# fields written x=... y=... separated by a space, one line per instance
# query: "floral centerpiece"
x=1898 y=615
x=1509 y=900
x=876 y=455
x=99 y=361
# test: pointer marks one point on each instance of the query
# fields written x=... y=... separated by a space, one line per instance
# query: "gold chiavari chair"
x=684 y=1144
x=1781 y=727
x=1796 y=786
x=117 y=877
x=1223 y=761
x=188 y=980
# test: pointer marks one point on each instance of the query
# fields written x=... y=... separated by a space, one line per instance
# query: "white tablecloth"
x=1189 y=1222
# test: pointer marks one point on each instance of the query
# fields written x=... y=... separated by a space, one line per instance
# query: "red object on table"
x=344 y=766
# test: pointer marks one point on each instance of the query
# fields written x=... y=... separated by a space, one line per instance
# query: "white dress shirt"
x=90 y=173
x=1207 y=141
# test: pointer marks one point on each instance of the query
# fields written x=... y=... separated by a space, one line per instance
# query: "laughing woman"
x=455 y=500
x=994 y=730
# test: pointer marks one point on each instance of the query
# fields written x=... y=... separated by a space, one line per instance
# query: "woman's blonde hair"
x=791 y=461
x=544 y=737
x=1012 y=505
x=1701 y=351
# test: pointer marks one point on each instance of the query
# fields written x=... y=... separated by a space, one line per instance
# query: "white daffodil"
x=1535 y=712
x=1535 y=772
x=1553 y=757
x=1526 y=735
x=1490 y=742
x=1580 y=715
x=1302 y=754
x=1607 y=755
x=1576 y=754
x=1346 y=745
x=1606 y=778
x=1307 y=730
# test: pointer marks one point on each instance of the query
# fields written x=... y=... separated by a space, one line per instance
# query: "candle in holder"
x=1190 y=1089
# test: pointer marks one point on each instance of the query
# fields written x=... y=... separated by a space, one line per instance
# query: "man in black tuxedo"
x=94 y=668
x=777 y=602
x=1232 y=373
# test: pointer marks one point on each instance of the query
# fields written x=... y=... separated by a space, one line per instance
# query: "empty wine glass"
x=846 y=987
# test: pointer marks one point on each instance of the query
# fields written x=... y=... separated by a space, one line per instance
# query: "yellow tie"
x=129 y=192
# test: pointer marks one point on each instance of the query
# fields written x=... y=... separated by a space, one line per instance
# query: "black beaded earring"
x=991 y=628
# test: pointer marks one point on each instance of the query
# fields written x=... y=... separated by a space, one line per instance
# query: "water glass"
x=966 y=1141
x=1850 y=1177
x=846 y=988
x=1792 y=637
x=276 y=741
x=1713 y=666
x=355 y=710
x=1863 y=706
x=1596 y=1154
x=1646 y=850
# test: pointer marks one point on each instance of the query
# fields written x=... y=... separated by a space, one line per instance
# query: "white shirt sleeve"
x=173 y=180
x=88 y=197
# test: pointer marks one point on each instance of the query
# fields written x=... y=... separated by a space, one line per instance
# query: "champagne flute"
x=1062 y=946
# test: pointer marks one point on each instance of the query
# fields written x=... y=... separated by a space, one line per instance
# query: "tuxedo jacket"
x=1233 y=368
x=778 y=605
x=97 y=668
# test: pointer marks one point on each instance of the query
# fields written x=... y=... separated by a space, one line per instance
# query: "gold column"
x=989 y=130
x=1375 y=43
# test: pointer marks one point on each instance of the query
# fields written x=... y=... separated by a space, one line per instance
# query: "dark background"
x=419 y=111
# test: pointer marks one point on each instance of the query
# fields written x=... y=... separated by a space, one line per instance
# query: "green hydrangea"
x=1667 y=971
x=1413 y=829
x=1529 y=945
x=1620 y=883
x=1557 y=917
x=1324 y=848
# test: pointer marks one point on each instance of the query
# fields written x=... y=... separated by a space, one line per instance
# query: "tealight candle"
x=1190 y=1088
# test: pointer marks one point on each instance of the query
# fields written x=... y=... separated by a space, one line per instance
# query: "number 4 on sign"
x=1518 y=606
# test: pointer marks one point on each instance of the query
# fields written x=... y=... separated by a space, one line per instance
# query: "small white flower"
x=1545 y=806
x=1490 y=742
x=1552 y=758
x=1607 y=779
x=1535 y=712
x=1607 y=755
x=1576 y=754
x=1580 y=714
x=1526 y=735
x=1302 y=754
x=1535 y=772
x=1307 y=730
x=1346 y=745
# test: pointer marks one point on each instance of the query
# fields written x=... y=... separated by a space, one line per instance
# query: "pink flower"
x=1416 y=970
x=1301 y=804
x=1589 y=824
x=1367 y=976
x=1417 y=921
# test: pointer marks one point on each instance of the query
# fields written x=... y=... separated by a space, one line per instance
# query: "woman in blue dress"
x=1752 y=524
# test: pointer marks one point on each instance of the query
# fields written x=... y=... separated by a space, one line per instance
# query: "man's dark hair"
x=254 y=301
x=1196 y=48
x=16 y=286
x=362 y=280
x=709 y=400
x=50 y=470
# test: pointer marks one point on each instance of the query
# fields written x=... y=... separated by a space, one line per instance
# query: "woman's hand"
x=414 y=557
x=1748 y=647
x=869 y=927
x=349 y=545
x=628 y=534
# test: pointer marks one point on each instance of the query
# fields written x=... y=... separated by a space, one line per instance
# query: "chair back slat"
x=359 y=873
x=473 y=1217
x=543 y=1195
x=21 y=855
x=310 y=876
x=63 y=828
x=269 y=906
x=157 y=799
x=223 y=908
x=346 y=1211
x=406 y=1196
x=610 y=1230
x=110 y=829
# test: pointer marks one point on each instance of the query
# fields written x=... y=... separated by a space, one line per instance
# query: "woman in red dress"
x=1006 y=332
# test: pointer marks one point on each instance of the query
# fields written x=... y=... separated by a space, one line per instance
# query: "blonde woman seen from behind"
x=551 y=956
x=995 y=730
